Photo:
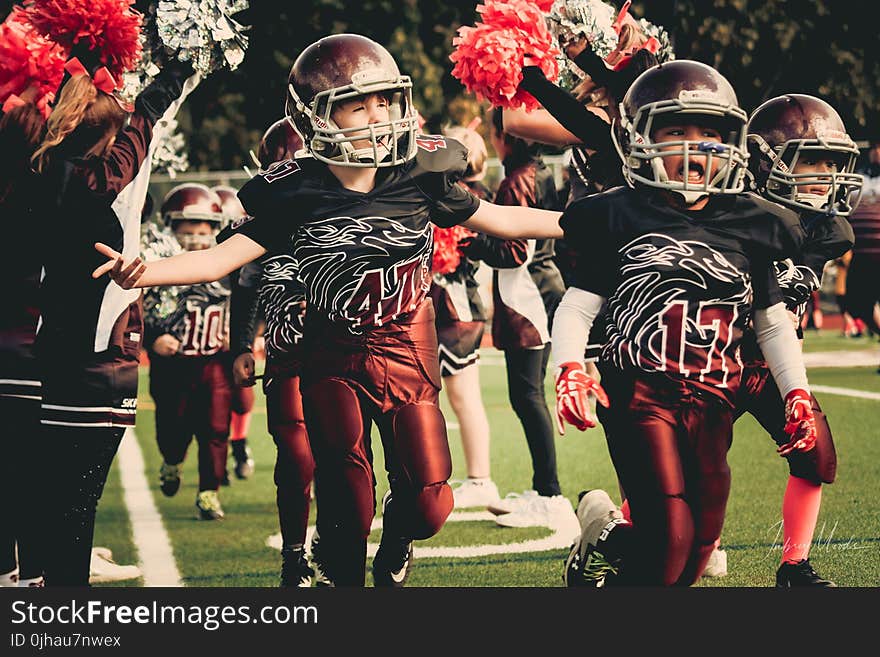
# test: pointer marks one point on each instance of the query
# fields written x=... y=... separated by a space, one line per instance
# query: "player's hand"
x=800 y=423
x=124 y=275
x=166 y=345
x=573 y=390
x=243 y=370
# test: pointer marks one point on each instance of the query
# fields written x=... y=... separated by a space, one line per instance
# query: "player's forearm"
x=572 y=322
x=202 y=266
x=781 y=348
x=513 y=222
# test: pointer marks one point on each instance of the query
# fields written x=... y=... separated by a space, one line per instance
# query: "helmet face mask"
x=356 y=66
x=789 y=130
x=683 y=93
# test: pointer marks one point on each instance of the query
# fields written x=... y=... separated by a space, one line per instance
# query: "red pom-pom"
x=447 y=256
x=544 y=5
x=489 y=56
x=109 y=27
x=29 y=60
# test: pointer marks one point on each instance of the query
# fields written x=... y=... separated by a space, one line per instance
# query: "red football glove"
x=799 y=423
x=573 y=389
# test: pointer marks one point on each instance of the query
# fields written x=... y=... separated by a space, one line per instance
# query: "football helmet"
x=193 y=202
x=796 y=127
x=229 y=203
x=335 y=69
x=682 y=91
x=279 y=142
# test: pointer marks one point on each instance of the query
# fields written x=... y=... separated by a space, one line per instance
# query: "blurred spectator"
x=863 y=279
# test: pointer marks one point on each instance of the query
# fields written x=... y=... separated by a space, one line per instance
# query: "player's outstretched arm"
x=513 y=222
x=184 y=269
x=782 y=351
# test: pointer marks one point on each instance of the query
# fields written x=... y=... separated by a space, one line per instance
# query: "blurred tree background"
x=764 y=47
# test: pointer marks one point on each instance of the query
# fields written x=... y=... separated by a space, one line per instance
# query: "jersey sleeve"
x=765 y=284
x=588 y=232
x=440 y=164
x=827 y=238
x=270 y=221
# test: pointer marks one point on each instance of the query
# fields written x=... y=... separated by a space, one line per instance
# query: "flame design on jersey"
x=679 y=309
x=797 y=283
x=365 y=270
x=282 y=299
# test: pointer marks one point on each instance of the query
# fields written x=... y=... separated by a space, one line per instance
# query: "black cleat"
x=318 y=563
x=225 y=480
x=169 y=479
x=295 y=571
x=244 y=462
x=392 y=563
x=800 y=574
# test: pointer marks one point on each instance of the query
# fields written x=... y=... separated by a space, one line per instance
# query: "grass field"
x=234 y=552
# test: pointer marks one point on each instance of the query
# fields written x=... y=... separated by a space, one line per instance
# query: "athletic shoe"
x=295 y=571
x=10 y=578
x=717 y=564
x=317 y=563
x=393 y=560
x=244 y=462
x=208 y=504
x=224 y=480
x=475 y=492
x=800 y=574
x=512 y=502
x=103 y=569
x=590 y=561
x=555 y=512
x=169 y=479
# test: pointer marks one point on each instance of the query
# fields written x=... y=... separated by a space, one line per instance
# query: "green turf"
x=833 y=340
x=233 y=552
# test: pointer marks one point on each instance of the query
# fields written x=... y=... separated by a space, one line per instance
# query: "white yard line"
x=154 y=547
x=846 y=392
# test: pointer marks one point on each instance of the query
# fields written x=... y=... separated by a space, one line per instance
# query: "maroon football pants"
x=388 y=375
x=193 y=396
x=294 y=465
x=759 y=395
x=669 y=444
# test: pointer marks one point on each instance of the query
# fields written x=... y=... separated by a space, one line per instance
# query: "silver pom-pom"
x=591 y=19
x=665 y=53
x=156 y=243
x=170 y=154
x=203 y=33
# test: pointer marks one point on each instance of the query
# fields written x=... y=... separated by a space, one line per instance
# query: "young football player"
x=803 y=158
x=190 y=372
x=356 y=214
x=91 y=187
x=683 y=258
x=242 y=396
x=460 y=321
x=271 y=284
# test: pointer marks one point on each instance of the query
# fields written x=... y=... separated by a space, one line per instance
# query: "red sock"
x=624 y=509
x=239 y=425
x=800 y=511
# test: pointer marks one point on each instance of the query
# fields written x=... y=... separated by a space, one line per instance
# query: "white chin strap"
x=690 y=196
x=196 y=242
x=817 y=201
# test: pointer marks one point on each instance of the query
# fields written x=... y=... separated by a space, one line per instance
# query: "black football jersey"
x=680 y=285
x=282 y=302
x=364 y=258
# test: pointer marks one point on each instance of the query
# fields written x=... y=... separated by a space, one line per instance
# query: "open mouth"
x=693 y=174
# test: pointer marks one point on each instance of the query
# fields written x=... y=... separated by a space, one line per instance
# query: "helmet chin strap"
x=816 y=201
x=690 y=196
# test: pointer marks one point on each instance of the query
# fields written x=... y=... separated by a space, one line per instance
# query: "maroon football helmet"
x=798 y=128
x=279 y=142
x=338 y=68
x=682 y=92
x=229 y=203
x=194 y=203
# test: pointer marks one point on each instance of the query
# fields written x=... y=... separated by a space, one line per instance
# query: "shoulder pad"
x=437 y=154
x=271 y=187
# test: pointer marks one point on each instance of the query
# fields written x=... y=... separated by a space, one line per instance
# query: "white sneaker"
x=102 y=569
x=555 y=512
x=717 y=564
x=475 y=492
x=512 y=502
x=10 y=578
